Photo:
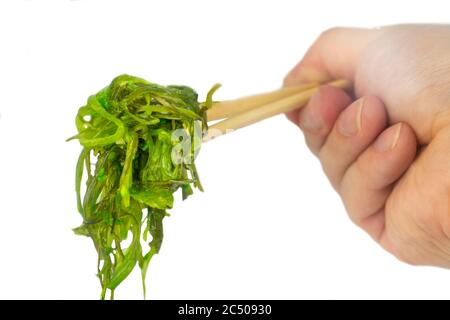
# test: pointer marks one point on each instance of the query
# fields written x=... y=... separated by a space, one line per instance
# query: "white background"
x=268 y=224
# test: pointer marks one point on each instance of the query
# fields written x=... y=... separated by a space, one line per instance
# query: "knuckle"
x=331 y=32
x=312 y=145
x=404 y=250
x=405 y=257
x=330 y=170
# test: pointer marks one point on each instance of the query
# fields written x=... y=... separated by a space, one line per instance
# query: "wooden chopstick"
x=258 y=113
x=225 y=109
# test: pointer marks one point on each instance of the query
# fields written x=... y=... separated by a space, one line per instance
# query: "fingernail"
x=350 y=123
x=311 y=120
x=388 y=139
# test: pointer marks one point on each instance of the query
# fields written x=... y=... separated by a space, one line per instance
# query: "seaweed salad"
x=139 y=144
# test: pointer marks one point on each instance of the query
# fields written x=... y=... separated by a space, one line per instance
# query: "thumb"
x=335 y=54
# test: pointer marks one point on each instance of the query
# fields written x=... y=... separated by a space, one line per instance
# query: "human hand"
x=386 y=146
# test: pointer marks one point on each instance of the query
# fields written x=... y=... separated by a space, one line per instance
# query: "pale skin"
x=385 y=146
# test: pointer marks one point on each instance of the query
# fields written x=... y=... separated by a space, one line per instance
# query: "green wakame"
x=139 y=144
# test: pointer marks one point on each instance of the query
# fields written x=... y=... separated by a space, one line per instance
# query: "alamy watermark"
x=186 y=145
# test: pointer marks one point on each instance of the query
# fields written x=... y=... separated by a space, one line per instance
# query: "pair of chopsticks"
x=245 y=111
